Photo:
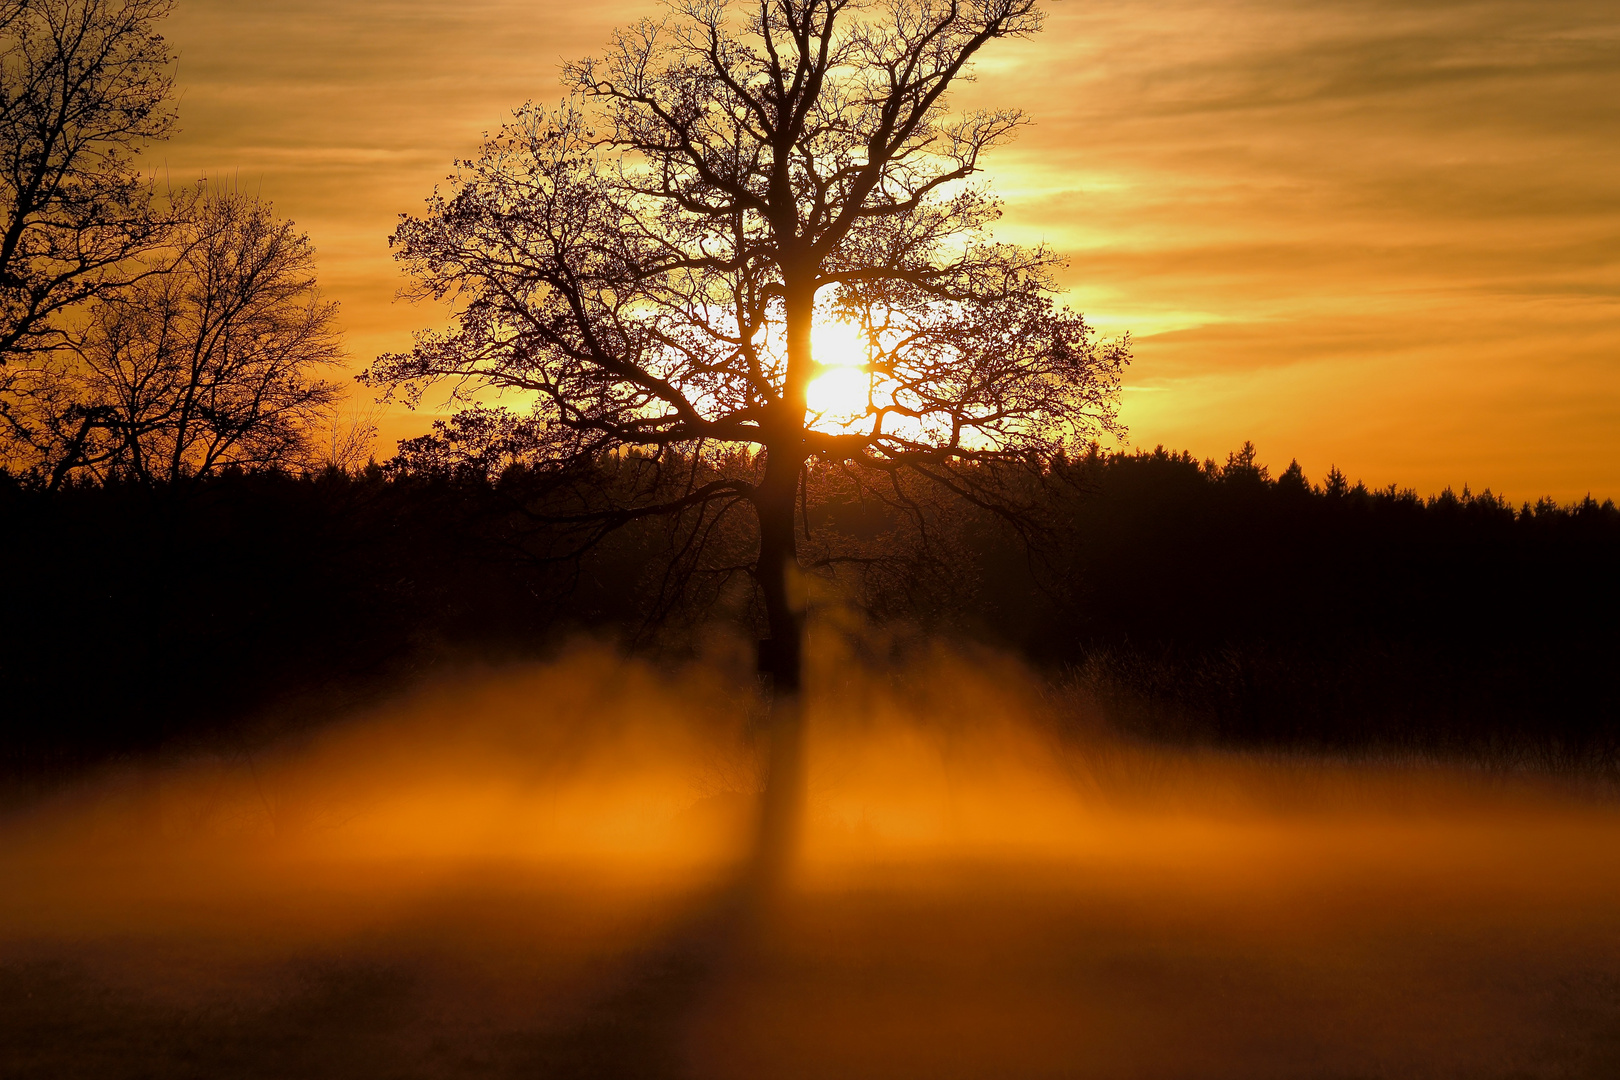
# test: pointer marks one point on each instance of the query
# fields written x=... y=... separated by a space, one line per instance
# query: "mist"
x=537 y=870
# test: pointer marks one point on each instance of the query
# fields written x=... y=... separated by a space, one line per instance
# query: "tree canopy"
x=644 y=266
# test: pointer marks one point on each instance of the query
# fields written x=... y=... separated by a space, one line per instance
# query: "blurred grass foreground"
x=532 y=870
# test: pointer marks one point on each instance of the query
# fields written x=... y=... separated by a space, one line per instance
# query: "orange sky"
x=1379 y=234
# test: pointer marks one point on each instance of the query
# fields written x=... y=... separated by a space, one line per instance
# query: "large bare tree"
x=648 y=262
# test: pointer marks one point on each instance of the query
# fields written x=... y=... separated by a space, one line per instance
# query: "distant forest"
x=1187 y=601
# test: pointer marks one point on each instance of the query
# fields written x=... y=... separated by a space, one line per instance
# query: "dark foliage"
x=1189 y=601
x=1217 y=602
x=149 y=616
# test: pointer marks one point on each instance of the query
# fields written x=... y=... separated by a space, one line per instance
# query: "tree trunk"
x=781 y=658
x=781 y=654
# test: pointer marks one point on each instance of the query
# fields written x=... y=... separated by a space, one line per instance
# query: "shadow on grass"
x=638 y=1029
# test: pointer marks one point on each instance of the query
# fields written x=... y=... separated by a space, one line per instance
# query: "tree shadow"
x=638 y=1029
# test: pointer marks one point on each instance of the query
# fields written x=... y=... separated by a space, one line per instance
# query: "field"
x=538 y=871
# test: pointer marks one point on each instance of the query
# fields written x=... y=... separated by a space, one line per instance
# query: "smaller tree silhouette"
x=211 y=358
x=84 y=85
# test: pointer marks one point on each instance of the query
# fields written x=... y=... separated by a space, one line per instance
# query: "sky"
x=1373 y=234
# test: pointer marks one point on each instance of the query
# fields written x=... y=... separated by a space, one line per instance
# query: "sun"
x=839 y=394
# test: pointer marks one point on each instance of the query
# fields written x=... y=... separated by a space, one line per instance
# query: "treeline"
x=144 y=615
x=1186 y=600
x=1220 y=603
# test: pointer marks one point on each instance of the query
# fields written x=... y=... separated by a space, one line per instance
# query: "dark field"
x=534 y=872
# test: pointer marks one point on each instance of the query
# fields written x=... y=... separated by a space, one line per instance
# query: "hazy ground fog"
x=529 y=872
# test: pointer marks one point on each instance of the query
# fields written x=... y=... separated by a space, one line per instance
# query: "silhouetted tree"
x=647 y=262
x=84 y=84
x=349 y=439
x=211 y=358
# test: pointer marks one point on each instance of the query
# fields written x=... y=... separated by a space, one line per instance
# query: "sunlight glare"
x=839 y=394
